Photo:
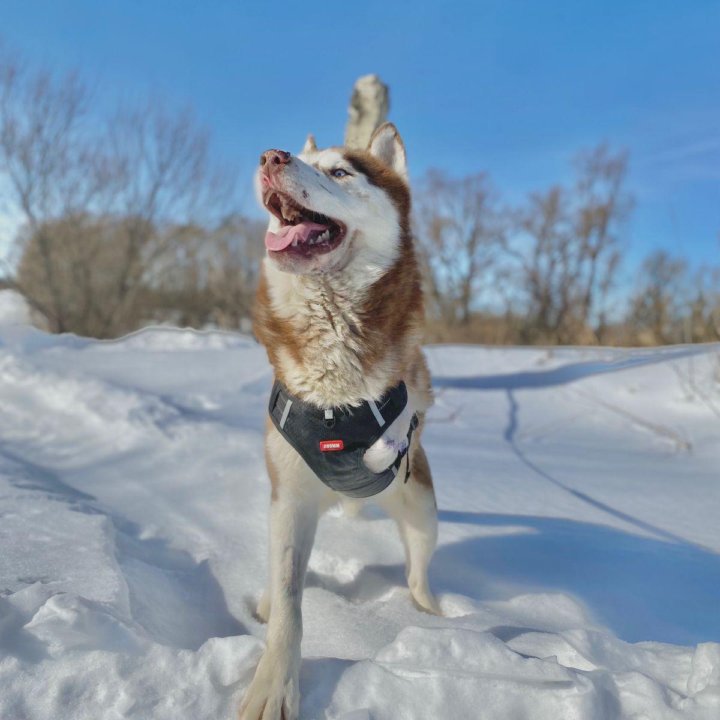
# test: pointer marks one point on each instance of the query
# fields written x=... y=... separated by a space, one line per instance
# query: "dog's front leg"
x=274 y=693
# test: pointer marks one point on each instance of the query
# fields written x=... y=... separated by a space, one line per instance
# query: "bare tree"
x=709 y=284
x=161 y=179
x=547 y=267
x=461 y=235
x=702 y=317
x=84 y=253
x=49 y=165
x=602 y=207
x=568 y=250
x=235 y=269
x=213 y=275
x=657 y=309
x=101 y=203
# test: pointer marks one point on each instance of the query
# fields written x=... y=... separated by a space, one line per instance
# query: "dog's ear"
x=309 y=146
x=387 y=146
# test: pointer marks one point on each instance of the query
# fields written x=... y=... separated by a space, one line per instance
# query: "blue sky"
x=513 y=88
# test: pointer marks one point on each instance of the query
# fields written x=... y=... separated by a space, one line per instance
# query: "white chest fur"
x=324 y=314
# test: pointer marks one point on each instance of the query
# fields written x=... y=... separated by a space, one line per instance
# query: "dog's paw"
x=427 y=603
x=274 y=693
x=422 y=596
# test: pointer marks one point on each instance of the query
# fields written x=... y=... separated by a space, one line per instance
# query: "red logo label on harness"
x=331 y=445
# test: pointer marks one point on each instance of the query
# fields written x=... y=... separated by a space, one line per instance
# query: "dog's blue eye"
x=339 y=173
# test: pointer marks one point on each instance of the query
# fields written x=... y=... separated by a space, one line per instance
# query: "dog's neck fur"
x=334 y=342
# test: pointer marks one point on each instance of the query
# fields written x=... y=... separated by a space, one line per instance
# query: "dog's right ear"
x=309 y=146
x=387 y=146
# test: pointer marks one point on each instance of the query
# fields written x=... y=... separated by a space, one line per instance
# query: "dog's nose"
x=271 y=160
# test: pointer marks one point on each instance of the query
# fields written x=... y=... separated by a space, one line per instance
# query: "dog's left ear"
x=387 y=146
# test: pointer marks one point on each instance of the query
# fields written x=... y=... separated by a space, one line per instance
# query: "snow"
x=578 y=566
x=13 y=308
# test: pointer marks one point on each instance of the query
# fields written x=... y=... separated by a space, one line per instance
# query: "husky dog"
x=339 y=309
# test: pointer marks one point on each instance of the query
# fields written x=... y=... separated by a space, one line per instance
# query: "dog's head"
x=338 y=209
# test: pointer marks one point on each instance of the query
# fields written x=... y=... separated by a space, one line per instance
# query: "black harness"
x=332 y=442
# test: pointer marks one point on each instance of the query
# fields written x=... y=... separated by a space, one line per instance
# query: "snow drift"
x=578 y=566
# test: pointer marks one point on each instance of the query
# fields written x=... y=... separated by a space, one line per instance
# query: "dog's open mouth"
x=304 y=232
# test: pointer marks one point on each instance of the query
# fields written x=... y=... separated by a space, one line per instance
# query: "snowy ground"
x=578 y=566
x=13 y=309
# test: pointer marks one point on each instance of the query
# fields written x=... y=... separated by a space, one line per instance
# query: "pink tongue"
x=289 y=233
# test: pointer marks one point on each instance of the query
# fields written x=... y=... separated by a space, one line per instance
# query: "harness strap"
x=406 y=450
x=376 y=413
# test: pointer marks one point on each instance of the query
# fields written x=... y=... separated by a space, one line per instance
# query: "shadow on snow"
x=535 y=379
x=641 y=588
x=175 y=598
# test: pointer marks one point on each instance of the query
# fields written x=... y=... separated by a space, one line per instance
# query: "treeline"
x=126 y=220
x=550 y=270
